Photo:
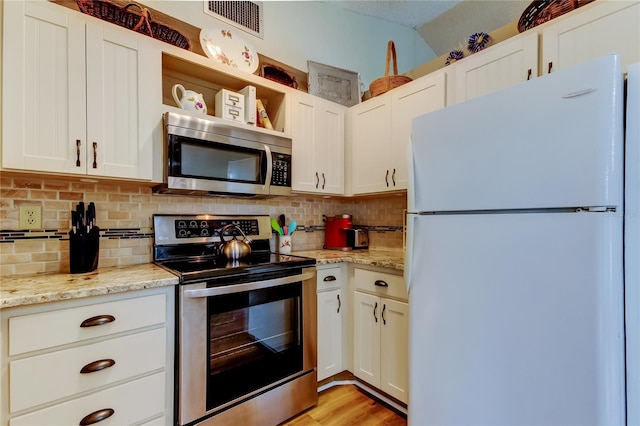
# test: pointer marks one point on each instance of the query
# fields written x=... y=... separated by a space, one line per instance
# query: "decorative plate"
x=227 y=47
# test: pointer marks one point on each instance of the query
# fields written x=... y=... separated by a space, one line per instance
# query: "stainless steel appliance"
x=358 y=238
x=245 y=329
x=212 y=156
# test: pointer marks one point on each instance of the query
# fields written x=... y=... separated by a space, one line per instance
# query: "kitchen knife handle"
x=97 y=416
x=97 y=320
x=384 y=306
x=386 y=178
x=381 y=283
x=78 y=143
x=95 y=154
x=323 y=180
x=98 y=365
x=374 y=312
x=317 y=180
x=339 y=303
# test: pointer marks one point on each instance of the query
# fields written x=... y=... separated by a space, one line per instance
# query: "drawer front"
x=233 y=113
x=44 y=378
x=48 y=329
x=232 y=99
x=329 y=279
x=131 y=402
x=387 y=284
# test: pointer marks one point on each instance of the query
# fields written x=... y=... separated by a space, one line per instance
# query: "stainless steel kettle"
x=235 y=249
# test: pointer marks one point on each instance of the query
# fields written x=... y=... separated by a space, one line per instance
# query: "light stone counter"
x=385 y=258
x=23 y=290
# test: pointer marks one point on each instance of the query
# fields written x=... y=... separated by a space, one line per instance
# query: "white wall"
x=297 y=31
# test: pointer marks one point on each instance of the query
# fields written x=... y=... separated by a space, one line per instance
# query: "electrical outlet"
x=30 y=217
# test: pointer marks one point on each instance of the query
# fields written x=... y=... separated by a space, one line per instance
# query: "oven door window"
x=255 y=339
x=217 y=161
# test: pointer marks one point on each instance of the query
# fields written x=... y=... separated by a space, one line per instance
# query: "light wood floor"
x=347 y=405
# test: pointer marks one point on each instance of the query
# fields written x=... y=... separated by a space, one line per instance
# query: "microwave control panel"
x=281 y=170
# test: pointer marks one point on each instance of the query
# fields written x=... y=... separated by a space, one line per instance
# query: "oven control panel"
x=207 y=228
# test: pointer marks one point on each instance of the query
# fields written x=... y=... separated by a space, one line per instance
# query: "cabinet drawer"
x=49 y=329
x=131 y=402
x=388 y=284
x=44 y=378
x=329 y=279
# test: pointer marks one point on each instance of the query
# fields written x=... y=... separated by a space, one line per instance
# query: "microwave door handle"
x=267 y=179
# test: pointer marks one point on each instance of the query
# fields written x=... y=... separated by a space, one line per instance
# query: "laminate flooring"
x=347 y=405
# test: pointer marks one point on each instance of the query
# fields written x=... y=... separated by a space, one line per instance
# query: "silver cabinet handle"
x=329 y=278
x=97 y=416
x=381 y=283
x=94 y=366
x=97 y=320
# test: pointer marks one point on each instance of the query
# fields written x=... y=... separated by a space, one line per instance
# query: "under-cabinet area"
x=87 y=360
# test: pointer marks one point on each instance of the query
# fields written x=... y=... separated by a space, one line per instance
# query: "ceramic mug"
x=190 y=100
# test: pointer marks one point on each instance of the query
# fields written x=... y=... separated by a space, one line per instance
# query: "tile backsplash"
x=124 y=215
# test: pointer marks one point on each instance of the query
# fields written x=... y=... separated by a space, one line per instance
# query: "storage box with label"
x=230 y=105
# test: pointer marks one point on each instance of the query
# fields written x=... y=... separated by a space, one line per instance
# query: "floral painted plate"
x=227 y=47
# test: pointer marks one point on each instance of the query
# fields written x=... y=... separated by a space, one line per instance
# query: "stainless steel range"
x=245 y=328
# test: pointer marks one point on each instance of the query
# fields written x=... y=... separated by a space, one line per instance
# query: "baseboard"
x=372 y=391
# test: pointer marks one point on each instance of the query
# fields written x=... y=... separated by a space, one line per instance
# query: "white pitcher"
x=190 y=100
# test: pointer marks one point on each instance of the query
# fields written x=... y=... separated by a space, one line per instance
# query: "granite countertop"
x=22 y=290
x=385 y=258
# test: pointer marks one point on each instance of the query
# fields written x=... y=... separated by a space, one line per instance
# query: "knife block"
x=83 y=251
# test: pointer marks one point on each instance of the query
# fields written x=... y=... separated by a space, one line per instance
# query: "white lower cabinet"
x=106 y=359
x=381 y=332
x=331 y=319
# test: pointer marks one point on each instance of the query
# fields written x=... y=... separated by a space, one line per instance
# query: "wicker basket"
x=541 y=11
x=384 y=84
x=140 y=22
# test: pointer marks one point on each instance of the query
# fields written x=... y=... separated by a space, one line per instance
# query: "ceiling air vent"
x=246 y=15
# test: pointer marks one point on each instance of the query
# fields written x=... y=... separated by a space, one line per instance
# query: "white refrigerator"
x=515 y=255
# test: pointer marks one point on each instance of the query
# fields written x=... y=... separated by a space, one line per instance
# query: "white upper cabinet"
x=597 y=29
x=381 y=129
x=318 y=128
x=510 y=62
x=74 y=92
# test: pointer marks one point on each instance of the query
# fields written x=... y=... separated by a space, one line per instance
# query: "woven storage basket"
x=541 y=11
x=384 y=84
x=139 y=21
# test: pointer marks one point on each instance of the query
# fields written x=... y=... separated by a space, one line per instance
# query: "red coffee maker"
x=335 y=232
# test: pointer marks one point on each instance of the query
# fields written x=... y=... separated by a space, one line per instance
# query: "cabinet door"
x=116 y=71
x=371 y=145
x=43 y=103
x=597 y=29
x=330 y=314
x=303 y=135
x=394 y=357
x=330 y=146
x=366 y=333
x=409 y=101
x=512 y=61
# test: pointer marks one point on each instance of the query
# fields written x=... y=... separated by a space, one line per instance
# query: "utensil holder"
x=283 y=244
x=83 y=251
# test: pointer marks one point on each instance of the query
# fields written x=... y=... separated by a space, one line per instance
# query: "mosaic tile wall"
x=124 y=215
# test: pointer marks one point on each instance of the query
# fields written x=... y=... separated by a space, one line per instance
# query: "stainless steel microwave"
x=206 y=156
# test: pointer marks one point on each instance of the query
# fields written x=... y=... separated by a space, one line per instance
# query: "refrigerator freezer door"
x=516 y=319
x=555 y=141
x=632 y=244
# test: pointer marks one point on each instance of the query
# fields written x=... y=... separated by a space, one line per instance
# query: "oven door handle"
x=254 y=285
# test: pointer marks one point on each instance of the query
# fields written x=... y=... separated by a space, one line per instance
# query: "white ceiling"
x=443 y=24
